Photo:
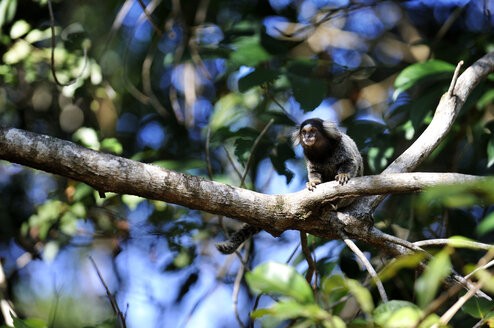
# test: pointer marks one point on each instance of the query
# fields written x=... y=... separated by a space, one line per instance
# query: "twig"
x=113 y=302
x=293 y=253
x=308 y=257
x=446 y=317
x=455 y=78
x=201 y=12
x=445 y=27
x=483 y=263
x=208 y=161
x=146 y=83
x=273 y=99
x=53 y=72
x=230 y=159
x=236 y=286
x=454 y=243
x=156 y=28
x=117 y=22
x=208 y=293
x=367 y=264
x=438 y=302
x=210 y=173
x=252 y=149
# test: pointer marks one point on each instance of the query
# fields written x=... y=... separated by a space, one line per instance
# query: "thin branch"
x=368 y=266
x=238 y=280
x=201 y=299
x=232 y=163
x=444 y=117
x=147 y=86
x=483 y=263
x=308 y=257
x=440 y=301
x=253 y=148
x=208 y=161
x=293 y=253
x=460 y=243
x=151 y=20
x=113 y=302
x=483 y=267
x=53 y=72
x=455 y=78
x=446 y=317
x=201 y=12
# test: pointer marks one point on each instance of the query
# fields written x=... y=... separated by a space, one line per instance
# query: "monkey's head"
x=315 y=133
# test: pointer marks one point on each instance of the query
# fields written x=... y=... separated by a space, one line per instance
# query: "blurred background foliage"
x=190 y=85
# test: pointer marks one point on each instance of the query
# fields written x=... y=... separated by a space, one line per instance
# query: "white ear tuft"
x=331 y=130
x=296 y=137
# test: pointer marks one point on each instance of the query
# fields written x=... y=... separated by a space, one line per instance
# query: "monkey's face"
x=309 y=135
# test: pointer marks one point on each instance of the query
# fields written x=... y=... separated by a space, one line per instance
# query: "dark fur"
x=333 y=156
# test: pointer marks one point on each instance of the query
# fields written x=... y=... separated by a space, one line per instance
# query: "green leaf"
x=227 y=110
x=363 y=130
x=68 y=223
x=293 y=309
x=18 y=323
x=82 y=190
x=477 y=307
x=280 y=279
x=406 y=261
x=280 y=154
x=249 y=52
x=302 y=66
x=242 y=149
x=490 y=151
x=361 y=294
x=378 y=156
x=486 y=225
x=399 y=314
x=335 y=287
x=308 y=92
x=87 y=137
x=257 y=77
x=426 y=285
x=486 y=99
x=7 y=12
x=19 y=28
x=50 y=251
x=459 y=195
x=132 y=201
x=35 y=323
x=113 y=145
x=413 y=74
x=78 y=210
x=462 y=242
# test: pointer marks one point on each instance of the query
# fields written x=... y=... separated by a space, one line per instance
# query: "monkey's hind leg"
x=231 y=245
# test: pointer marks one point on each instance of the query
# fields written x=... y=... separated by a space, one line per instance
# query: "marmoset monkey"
x=330 y=155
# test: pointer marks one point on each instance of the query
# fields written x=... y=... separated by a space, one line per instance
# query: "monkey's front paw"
x=342 y=178
x=311 y=185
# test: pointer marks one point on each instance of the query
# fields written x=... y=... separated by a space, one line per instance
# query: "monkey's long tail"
x=231 y=245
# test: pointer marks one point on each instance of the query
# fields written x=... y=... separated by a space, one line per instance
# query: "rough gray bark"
x=274 y=213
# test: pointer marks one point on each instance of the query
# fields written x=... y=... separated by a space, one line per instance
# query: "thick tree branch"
x=275 y=213
x=444 y=117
